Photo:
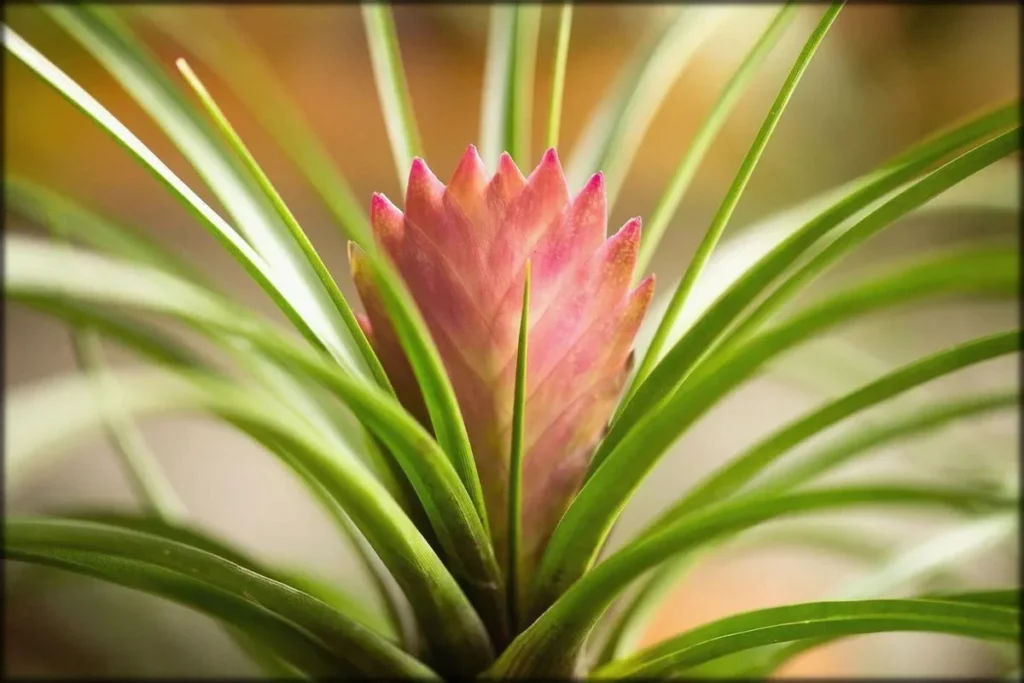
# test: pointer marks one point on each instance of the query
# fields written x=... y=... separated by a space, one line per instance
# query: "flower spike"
x=462 y=250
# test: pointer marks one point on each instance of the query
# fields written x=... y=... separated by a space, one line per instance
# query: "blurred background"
x=886 y=76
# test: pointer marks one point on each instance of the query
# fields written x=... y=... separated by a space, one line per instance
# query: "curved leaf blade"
x=829 y=620
x=741 y=470
x=617 y=125
x=584 y=526
x=666 y=207
x=732 y=198
x=679 y=362
x=551 y=645
x=558 y=75
x=109 y=552
x=112 y=43
x=392 y=89
x=341 y=306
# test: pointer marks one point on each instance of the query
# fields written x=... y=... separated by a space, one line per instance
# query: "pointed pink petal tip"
x=645 y=288
x=630 y=231
x=550 y=156
x=420 y=175
x=505 y=161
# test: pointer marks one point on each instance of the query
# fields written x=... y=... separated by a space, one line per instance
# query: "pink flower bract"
x=462 y=250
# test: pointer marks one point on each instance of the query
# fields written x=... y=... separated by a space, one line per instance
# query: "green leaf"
x=949 y=548
x=584 y=526
x=558 y=75
x=413 y=336
x=435 y=385
x=84 y=226
x=507 y=111
x=550 y=646
x=146 y=477
x=182 y=572
x=819 y=619
x=631 y=625
x=447 y=618
x=941 y=179
x=49 y=209
x=677 y=364
x=883 y=432
x=155 y=344
x=526 y=22
x=909 y=567
x=392 y=89
x=39 y=270
x=111 y=42
x=239 y=249
x=139 y=463
x=666 y=208
x=496 y=104
x=214 y=40
x=642 y=605
x=61 y=214
x=348 y=605
x=614 y=131
x=953 y=546
x=288 y=219
x=515 y=477
x=744 y=468
x=732 y=199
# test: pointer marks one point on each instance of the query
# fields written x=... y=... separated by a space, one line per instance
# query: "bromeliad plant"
x=478 y=431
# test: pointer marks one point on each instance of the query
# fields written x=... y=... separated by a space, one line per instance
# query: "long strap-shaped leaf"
x=253 y=263
x=863 y=230
x=348 y=605
x=152 y=488
x=642 y=605
x=586 y=523
x=550 y=646
x=618 y=124
x=498 y=84
x=867 y=438
x=732 y=199
x=633 y=621
x=744 y=468
x=393 y=91
x=654 y=228
x=109 y=40
x=448 y=621
x=409 y=325
x=515 y=478
x=158 y=348
x=819 y=619
x=127 y=556
x=41 y=270
x=558 y=75
x=213 y=39
x=289 y=220
x=48 y=208
x=412 y=330
x=674 y=368
x=928 y=559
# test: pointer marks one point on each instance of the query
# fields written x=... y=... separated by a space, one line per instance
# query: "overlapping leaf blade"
x=180 y=570
x=111 y=42
x=551 y=645
x=585 y=525
x=822 y=620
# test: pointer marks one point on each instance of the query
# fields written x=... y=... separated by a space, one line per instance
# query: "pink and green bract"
x=462 y=250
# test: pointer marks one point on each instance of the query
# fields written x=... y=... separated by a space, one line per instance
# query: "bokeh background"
x=886 y=76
